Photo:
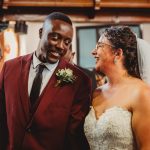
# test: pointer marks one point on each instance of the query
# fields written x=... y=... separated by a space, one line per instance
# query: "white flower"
x=69 y=72
x=65 y=76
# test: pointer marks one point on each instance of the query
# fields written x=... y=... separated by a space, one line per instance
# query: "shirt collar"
x=49 y=66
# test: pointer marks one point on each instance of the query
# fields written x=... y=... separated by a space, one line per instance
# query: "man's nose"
x=61 y=47
x=60 y=44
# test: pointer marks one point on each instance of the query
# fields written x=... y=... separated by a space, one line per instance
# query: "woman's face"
x=103 y=53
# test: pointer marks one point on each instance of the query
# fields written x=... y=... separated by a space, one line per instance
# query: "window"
x=87 y=38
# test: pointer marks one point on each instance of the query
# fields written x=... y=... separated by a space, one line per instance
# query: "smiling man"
x=35 y=114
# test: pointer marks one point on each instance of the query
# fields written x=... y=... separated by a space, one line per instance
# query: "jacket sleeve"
x=3 y=118
x=76 y=139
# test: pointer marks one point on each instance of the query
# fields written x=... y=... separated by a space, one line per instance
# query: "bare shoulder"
x=143 y=94
x=141 y=116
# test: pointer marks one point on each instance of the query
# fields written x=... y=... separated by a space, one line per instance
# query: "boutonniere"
x=65 y=76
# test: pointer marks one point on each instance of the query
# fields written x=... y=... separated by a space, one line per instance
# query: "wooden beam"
x=81 y=18
x=78 y=3
x=125 y=5
x=47 y=3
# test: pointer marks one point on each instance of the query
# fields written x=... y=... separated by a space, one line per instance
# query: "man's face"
x=55 y=40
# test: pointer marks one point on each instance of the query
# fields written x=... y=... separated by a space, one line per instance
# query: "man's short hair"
x=59 y=16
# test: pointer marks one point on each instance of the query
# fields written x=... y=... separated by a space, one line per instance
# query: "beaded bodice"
x=111 y=131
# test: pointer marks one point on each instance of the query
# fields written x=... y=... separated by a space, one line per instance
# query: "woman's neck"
x=117 y=76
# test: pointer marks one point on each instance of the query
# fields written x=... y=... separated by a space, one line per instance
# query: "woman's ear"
x=40 y=32
x=118 y=55
x=119 y=52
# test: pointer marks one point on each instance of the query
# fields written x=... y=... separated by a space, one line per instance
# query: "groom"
x=47 y=115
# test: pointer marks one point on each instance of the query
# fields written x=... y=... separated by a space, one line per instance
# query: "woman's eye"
x=100 y=46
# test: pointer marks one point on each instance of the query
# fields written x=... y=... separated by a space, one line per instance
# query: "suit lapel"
x=50 y=88
x=23 y=86
x=53 y=80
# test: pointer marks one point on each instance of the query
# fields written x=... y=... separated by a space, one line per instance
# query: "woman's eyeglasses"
x=101 y=45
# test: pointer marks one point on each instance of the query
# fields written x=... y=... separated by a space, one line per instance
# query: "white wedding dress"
x=111 y=131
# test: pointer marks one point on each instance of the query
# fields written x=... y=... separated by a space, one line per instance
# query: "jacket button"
x=28 y=130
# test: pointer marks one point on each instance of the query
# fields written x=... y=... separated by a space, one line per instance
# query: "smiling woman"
x=119 y=117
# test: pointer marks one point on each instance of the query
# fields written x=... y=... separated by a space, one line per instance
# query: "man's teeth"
x=55 y=53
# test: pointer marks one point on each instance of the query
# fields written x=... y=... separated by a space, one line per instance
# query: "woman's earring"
x=115 y=60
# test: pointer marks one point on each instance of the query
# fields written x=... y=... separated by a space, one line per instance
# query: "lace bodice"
x=112 y=131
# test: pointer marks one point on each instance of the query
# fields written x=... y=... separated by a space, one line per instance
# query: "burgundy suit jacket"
x=56 y=121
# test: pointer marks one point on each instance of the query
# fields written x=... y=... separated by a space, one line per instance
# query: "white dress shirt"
x=47 y=73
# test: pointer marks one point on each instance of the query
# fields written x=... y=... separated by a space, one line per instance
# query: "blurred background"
x=20 y=21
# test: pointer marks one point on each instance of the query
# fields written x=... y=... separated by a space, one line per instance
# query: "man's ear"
x=40 y=32
x=73 y=53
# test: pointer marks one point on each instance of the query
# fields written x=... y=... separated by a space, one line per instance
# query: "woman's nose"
x=94 y=51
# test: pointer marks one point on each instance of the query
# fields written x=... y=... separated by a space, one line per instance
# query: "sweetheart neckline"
x=106 y=110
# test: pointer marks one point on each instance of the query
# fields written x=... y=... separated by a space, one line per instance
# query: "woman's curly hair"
x=122 y=37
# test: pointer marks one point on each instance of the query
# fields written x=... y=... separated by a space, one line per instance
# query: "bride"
x=119 y=118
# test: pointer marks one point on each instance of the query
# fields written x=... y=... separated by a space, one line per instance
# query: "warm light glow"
x=10 y=44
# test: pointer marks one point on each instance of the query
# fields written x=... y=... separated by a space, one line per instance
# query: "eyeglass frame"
x=98 y=45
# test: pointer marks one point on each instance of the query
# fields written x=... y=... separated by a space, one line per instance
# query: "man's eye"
x=54 y=36
x=67 y=42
